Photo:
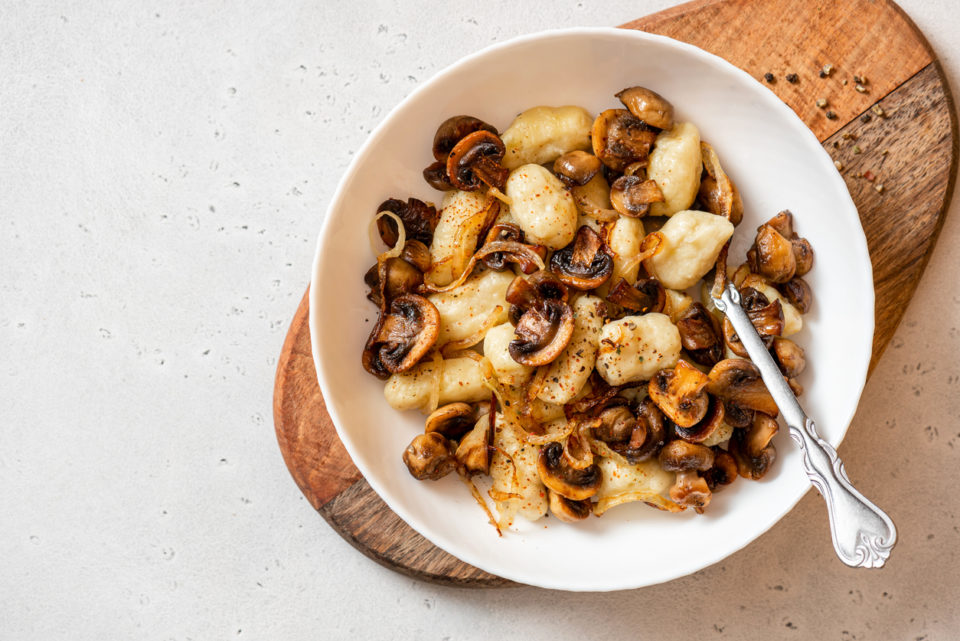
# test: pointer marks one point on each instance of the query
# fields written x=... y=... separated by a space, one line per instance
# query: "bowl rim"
x=858 y=247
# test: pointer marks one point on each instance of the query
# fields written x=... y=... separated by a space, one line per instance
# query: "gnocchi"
x=676 y=164
x=549 y=332
x=467 y=309
x=541 y=134
x=692 y=240
x=635 y=348
x=542 y=207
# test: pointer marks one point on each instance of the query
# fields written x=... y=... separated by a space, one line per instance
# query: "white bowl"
x=776 y=162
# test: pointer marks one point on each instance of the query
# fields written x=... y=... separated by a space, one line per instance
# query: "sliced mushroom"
x=648 y=106
x=524 y=293
x=617 y=423
x=707 y=427
x=723 y=472
x=569 y=511
x=798 y=293
x=767 y=317
x=646 y=296
x=717 y=192
x=700 y=334
x=452 y=420
x=680 y=394
x=737 y=382
x=511 y=236
x=542 y=334
x=402 y=336
x=686 y=459
x=772 y=255
x=473 y=452
x=620 y=138
x=429 y=456
x=391 y=278
x=576 y=168
x=778 y=253
x=752 y=449
x=453 y=130
x=585 y=263
x=790 y=357
x=419 y=220
x=475 y=161
x=648 y=435
x=557 y=475
x=632 y=195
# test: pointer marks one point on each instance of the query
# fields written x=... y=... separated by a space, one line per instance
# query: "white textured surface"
x=163 y=169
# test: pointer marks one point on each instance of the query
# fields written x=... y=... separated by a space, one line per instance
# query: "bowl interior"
x=776 y=162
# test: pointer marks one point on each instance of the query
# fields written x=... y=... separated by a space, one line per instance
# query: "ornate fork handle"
x=863 y=534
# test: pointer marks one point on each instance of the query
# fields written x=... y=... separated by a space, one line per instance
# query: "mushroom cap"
x=737 y=382
x=453 y=130
x=567 y=510
x=436 y=176
x=576 y=168
x=681 y=456
x=798 y=293
x=803 y=255
x=542 y=333
x=524 y=293
x=557 y=475
x=723 y=472
x=700 y=334
x=419 y=220
x=790 y=357
x=584 y=264
x=646 y=296
x=680 y=393
x=429 y=456
x=402 y=336
x=619 y=138
x=452 y=420
x=752 y=449
x=632 y=196
x=475 y=161
x=648 y=106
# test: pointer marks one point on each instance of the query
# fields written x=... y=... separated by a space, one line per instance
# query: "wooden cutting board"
x=910 y=152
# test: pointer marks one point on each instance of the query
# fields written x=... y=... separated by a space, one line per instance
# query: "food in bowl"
x=553 y=338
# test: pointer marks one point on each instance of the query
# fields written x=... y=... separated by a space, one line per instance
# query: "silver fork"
x=863 y=534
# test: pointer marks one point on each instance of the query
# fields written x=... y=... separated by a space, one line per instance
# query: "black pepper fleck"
x=866 y=118
x=793 y=78
x=768 y=77
x=831 y=115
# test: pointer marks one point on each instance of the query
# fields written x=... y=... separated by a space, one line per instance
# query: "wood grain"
x=911 y=152
x=872 y=39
